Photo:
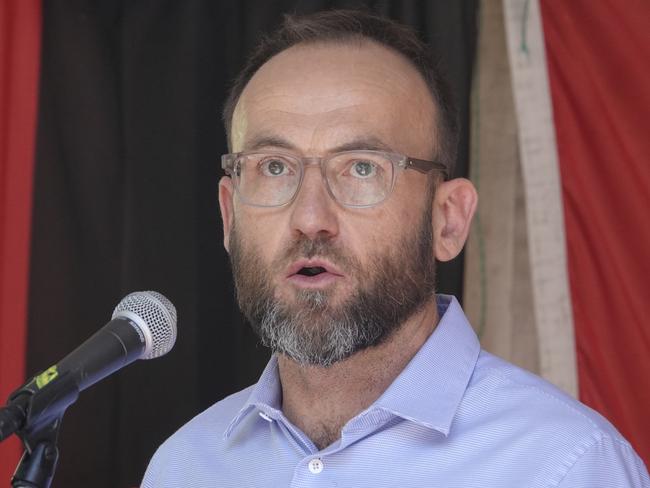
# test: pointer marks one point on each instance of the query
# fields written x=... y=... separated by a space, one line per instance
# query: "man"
x=334 y=208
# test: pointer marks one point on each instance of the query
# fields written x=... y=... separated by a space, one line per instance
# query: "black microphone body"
x=117 y=344
x=47 y=395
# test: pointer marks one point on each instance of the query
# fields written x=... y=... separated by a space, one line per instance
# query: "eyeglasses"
x=352 y=178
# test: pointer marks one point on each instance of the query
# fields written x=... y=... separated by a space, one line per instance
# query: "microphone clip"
x=36 y=420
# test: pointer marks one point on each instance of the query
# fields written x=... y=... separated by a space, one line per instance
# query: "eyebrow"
x=362 y=143
x=265 y=140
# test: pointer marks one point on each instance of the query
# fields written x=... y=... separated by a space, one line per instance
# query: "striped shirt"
x=455 y=417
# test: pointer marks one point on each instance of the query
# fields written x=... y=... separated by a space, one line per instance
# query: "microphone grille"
x=158 y=315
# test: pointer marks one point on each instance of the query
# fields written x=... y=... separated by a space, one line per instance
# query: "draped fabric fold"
x=20 y=26
x=600 y=84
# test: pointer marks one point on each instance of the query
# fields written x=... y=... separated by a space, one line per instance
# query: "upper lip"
x=312 y=263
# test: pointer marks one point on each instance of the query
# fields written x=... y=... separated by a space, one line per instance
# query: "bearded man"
x=335 y=206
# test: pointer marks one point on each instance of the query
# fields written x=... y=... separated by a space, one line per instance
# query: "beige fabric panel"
x=541 y=183
x=498 y=294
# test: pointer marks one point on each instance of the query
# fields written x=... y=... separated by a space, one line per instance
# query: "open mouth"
x=313 y=273
x=311 y=270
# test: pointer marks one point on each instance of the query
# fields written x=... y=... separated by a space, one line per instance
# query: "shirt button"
x=316 y=465
x=266 y=417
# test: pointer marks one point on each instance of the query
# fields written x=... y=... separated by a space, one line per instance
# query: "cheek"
x=262 y=234
x=384 y=231
x=412 y=198
x=369 y=237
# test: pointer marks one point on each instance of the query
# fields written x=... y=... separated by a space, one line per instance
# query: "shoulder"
x=517 y=390
x=201 y=437
x=527 y=418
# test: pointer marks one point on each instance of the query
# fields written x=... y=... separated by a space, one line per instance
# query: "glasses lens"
x=266 y=179
x=360 y=178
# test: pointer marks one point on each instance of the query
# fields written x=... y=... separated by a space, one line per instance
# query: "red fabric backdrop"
x=20 y=31
x=599 y=69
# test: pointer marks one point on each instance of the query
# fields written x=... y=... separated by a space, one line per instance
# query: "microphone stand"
x=38 y=463
x=36 y=420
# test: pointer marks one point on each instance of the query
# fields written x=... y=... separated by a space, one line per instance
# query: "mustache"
x=323 y=247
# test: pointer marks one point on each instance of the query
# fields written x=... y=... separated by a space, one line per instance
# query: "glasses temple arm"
x=424 y=166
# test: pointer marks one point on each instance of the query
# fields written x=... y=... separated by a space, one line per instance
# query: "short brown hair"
x=350 y=25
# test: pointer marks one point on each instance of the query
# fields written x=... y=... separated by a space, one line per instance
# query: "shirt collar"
x=266 y=395
x=428 y=391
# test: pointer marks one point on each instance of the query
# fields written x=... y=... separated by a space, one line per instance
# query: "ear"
x=226 y=206
x=454 y=205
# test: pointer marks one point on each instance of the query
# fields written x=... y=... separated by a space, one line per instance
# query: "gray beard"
x=314 y=332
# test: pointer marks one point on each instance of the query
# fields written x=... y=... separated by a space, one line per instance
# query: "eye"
x=363 y=169
x=275 y=167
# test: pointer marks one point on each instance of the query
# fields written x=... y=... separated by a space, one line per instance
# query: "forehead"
x=323 y=95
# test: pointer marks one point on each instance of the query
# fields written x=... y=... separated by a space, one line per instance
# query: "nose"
x=314 y=211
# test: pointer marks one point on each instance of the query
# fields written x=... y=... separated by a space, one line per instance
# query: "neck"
x=320 y=401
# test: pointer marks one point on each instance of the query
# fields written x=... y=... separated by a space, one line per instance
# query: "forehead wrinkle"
x=282 y=129
x=297 y=133
x=359 y=142
x=264 y=140
x=290 y=99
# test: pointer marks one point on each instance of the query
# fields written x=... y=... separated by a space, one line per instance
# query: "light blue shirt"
x=456 y=417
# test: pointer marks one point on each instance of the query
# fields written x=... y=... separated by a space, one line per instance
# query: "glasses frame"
x=400 y=162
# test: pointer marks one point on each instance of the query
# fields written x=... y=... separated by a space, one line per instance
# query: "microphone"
x=143 y=326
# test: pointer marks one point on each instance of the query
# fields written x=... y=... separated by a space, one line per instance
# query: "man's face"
x=374 y=265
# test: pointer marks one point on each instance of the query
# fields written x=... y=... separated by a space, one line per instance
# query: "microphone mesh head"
x=158 y=315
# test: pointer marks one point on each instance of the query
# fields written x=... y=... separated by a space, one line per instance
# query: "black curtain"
x=126 y=199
